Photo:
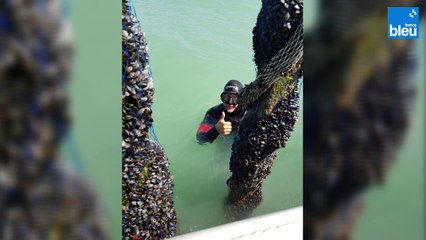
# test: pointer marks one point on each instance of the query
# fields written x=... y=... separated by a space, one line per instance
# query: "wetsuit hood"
x=233 y=86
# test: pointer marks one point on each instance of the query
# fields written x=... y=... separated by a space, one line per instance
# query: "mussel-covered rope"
x=284 y=60
x=272 y=101
x=147 y=185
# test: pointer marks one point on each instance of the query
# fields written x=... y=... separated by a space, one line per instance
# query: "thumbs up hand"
x=223 y=127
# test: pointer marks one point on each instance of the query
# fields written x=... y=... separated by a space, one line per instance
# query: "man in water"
x=224 y=118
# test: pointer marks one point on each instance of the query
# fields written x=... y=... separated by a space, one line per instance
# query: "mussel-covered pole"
x=39 y=199
x=147 y=185
x=272 y=101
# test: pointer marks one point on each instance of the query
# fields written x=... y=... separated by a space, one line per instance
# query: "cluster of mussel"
x=276 y=23
x=253 y=153
x=147 y=185
x=148 y=211
x=39 y=199
x=263 y=130
x=137 y=84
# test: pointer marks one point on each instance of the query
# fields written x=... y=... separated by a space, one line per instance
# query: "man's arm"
x=207 y=132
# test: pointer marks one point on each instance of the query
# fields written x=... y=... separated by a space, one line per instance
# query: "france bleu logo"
x=403 y=22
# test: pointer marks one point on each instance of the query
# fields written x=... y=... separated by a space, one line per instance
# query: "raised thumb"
x=222 y=118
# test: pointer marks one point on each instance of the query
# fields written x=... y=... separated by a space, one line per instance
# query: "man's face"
x=230 y=101
x=230 y=108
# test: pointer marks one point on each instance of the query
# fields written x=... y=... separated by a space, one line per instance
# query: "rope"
x=285 y=61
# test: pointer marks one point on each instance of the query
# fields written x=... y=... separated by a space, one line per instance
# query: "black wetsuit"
x=207 y=133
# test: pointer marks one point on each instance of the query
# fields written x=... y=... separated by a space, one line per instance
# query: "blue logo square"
x=403 y=22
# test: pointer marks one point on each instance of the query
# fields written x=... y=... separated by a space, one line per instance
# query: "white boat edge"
x=286 y=224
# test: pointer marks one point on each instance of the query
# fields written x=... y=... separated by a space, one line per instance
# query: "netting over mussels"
x=39 y=199
x=147 y=185
x=277 y=42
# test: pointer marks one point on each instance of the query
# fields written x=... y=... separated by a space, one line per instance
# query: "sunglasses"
x=230 y=98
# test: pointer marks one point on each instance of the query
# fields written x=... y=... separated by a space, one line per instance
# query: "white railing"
x=287 y=224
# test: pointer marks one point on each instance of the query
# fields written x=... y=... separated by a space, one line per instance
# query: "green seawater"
x=195 y=47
